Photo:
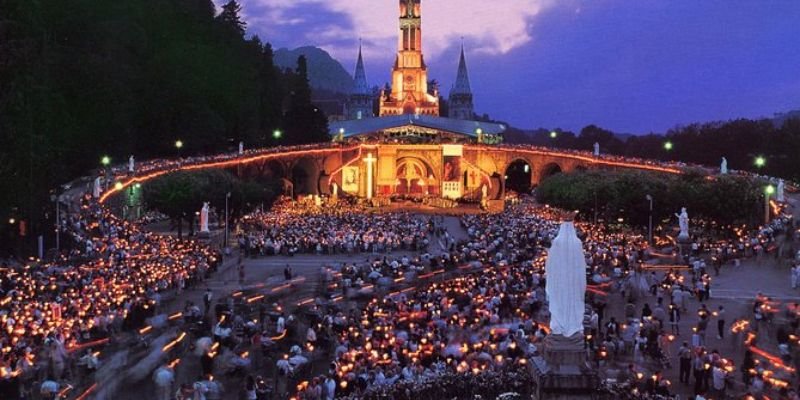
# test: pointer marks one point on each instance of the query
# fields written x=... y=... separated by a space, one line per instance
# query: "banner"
x=452 y=174
x=452 y=169
x=350 y=179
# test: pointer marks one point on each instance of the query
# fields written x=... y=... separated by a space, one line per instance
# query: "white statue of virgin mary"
x=204 y=217
x=566 y=282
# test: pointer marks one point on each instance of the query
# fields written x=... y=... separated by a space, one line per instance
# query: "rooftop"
x=357 y=127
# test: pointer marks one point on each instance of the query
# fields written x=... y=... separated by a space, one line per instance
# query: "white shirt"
x=330 y=389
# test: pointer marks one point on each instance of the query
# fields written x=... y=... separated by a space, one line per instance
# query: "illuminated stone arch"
x=549 y=169
x=416 y=176
x=518 y=175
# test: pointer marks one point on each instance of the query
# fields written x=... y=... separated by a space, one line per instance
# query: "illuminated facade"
x=409 y=93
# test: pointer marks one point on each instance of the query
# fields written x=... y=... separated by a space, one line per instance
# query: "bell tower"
x=409 y=93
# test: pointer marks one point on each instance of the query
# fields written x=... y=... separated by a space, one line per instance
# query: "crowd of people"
x=461 y=335
x=57 y=314
x=340 y=227
x=486 y=321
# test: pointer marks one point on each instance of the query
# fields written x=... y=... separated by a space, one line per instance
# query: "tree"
x=592 y=134
x=270 y=95
x=621 y=194
x=175 y=195
x=304 y=122
x=229 y=17
x=179 y=195
x=122 y=78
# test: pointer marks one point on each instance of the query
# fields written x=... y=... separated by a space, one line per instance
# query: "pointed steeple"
x=460 y=98
x=462 y=79
x=359 y=104
x=360 y=85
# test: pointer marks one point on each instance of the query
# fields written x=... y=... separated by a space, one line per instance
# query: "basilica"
x=416 y=150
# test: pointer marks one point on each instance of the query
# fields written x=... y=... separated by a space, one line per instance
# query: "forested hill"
x=324 y=72
x=83 y=79
x=741 y=141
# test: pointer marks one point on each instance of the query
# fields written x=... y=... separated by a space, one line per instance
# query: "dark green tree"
x=181 y=194
x=270 y=96
x=622 y=194
x=176 y=195
x=304 y=122
x=230 y=19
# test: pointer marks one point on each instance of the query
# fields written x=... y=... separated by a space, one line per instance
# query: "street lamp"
x=277 y=134
x=57 y=200
x=768 y=191
x=106 y=161
x=650 y=220
x=668 y=145
x=760 y=161
x=12 y=221
x=553 y=134
x=179 y=144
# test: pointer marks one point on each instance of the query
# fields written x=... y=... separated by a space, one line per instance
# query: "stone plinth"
x=684 y=243
x=564 y=351
x=562 y=371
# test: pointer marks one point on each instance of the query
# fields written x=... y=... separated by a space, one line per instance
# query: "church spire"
x=359 y=104
x=460 y=98
x=462 y=85
x=360 y=85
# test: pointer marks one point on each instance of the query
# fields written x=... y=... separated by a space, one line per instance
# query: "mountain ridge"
x=324 y=71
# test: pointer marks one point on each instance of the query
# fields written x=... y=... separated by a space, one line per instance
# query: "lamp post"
x=227 y=196
x=650 y=221
x=276 y=134
x=105 y=161
x=768 y=191
x=57 y=200
x=668 y=145
x=760 y=161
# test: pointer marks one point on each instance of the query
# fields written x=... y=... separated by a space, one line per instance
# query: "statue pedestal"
x=562 y=371
x=684 y=243
x=204 y=234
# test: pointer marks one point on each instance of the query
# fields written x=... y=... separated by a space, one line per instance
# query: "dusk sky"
x=630 y=66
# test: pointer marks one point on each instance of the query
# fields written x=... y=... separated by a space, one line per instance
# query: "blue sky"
x=631 y=66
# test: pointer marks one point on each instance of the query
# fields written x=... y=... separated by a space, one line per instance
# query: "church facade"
x=416 y=151
x=409 y=92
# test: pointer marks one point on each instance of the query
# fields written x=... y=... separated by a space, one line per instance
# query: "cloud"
x=488 y=27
